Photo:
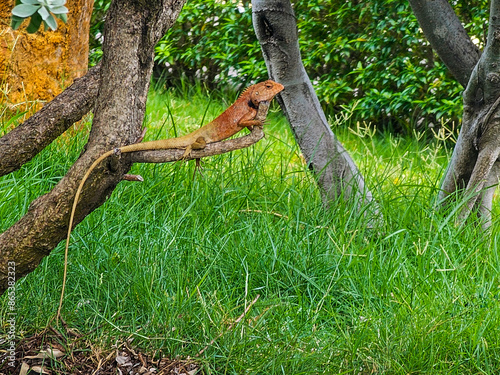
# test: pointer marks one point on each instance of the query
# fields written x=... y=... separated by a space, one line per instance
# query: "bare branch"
x=447 y=36
x=25 y=141
x=217 y=148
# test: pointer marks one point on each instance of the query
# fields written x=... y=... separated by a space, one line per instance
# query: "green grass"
x=172 y=262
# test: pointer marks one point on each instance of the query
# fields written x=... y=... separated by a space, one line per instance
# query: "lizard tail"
x=71 y=219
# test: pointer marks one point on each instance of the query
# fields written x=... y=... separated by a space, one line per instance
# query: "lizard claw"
x=198 y=168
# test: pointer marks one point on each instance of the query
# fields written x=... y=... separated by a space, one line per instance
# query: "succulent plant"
x=45 y=11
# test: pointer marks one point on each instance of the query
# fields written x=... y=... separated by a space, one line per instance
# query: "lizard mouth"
x=251 y=104
x=256 y=105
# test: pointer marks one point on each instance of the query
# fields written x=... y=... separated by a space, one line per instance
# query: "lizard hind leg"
x=199 y=144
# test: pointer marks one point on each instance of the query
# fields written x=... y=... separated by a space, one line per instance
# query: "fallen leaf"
x=40 y=370
x=49 y=353
x=24 y=369
x=123 y=360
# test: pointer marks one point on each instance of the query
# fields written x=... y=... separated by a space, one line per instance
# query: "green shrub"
x=366 y=55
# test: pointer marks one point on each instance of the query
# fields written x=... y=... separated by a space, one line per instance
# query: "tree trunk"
x=39 y=66
x=482 y=119
x=473 y=168
x=131 y=33
x=336 y=173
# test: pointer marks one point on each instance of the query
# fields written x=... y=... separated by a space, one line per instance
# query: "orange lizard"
x=244 y=112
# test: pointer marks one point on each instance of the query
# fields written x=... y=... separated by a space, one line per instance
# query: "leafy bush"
x=96 y=28
x=214 y=42
x=366 y=55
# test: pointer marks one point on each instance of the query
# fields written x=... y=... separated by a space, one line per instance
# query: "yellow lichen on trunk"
x=37 y=67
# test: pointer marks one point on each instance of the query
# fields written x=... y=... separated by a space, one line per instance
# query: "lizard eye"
x=269 y=86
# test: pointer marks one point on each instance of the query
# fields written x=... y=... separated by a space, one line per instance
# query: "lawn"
x=172 y=263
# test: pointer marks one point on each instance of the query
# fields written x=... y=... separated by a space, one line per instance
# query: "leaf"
x=36 y=21
x=39 y=369
x=24 y=10
x=57 y=3
x=49 y=353
x=59 y=10
x=62 y=17
x=44 y=13
x=16 y=22
x=123 y=360
x=33 y=2
x=24 y=369
x=51 y=22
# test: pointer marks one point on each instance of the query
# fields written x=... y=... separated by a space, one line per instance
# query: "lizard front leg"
x=259 y=118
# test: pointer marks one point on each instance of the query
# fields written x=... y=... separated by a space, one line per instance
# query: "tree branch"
x=25 y=141
x=211 y=149
x=447 y=36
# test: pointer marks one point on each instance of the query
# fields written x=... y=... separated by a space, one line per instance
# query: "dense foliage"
x=366 y=55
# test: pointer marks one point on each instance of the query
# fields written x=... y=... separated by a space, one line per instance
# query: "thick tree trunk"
x=131 y=33
x=276 y=29
x=473 y=168
x=478 y=146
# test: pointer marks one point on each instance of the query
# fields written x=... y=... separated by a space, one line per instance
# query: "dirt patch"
x=45 y=354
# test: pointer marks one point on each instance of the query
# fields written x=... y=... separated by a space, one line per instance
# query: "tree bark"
x=447 y=37
x=131 y=33
x=337 y=175
x=473 y=167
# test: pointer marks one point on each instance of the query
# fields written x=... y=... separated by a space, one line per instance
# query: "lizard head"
x=264 y=91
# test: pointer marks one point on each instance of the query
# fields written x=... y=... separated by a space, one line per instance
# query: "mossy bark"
x=37 y=67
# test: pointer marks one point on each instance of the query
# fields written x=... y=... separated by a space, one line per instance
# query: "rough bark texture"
x=472 y=166
x=25 y=141
x=38 y=66
x=447 y=36
x=131 y=32
x=276 y=28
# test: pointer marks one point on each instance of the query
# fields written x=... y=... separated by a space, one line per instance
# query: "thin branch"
x=447 y=36
x=216 y=148
x=25 y=141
